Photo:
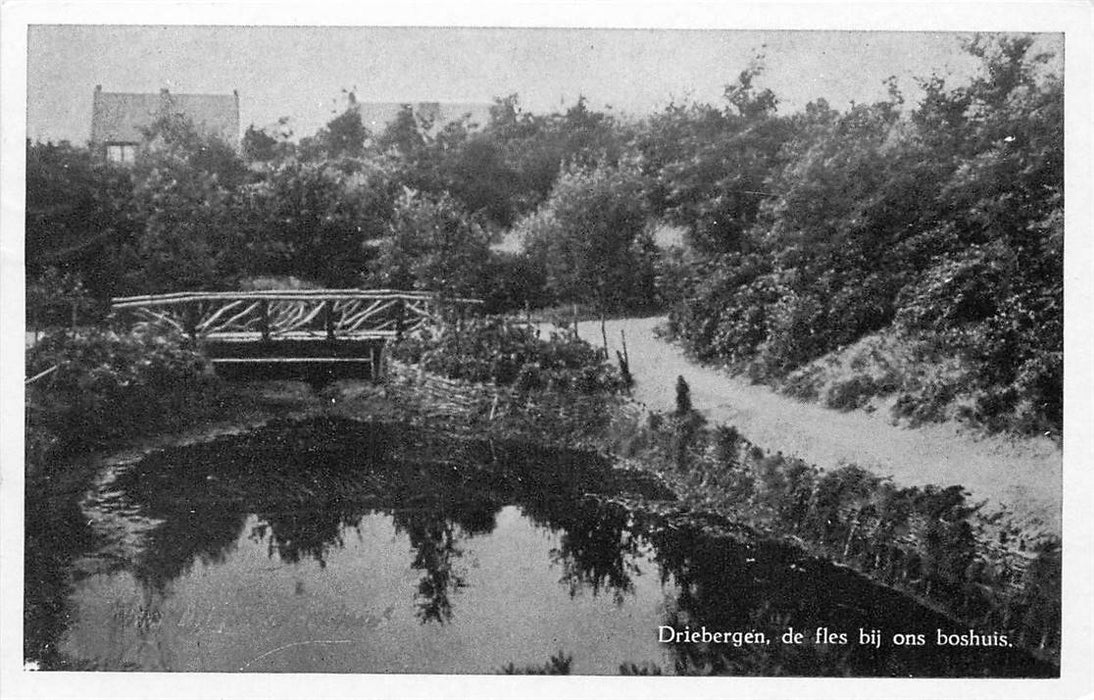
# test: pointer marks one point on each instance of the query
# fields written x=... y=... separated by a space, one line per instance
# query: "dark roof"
x=119 y=116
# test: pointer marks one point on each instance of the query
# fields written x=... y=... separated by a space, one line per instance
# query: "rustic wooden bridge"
x=313 y=334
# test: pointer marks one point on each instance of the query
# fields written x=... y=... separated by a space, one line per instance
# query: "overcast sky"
x=300 y=72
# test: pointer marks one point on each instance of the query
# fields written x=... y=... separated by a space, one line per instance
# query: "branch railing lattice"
x=307 y=314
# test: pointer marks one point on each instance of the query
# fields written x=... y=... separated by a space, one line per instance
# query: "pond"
x=333 y=545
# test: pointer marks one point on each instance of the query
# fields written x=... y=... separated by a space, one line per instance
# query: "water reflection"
x=597 y=548
x=437 y=493
x=434 y=537
x=408 y=547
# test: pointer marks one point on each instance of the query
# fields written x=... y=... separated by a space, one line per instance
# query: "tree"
x=346 y=134
x=315 y=221
x=257 y=145
x=270 y=143
x=79 y=216
x=432 y=244
x=403 y=134
x=590 y=237
x=945 y=219
x=343 y=137
x=476 y=173
x=185 y=184
x=175 y=138
x=713 y=171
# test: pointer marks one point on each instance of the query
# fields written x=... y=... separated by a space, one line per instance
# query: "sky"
x=301 y=72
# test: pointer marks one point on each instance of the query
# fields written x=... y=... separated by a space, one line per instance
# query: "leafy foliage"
x=109 y=385
x=431 y=244
x=805 y=232
x=57 y=299
x=315 y=221
x=184 y=199
x=499 y=351
x=558 y=665
x=591 y=239
x=944 y=220
x=79 y=216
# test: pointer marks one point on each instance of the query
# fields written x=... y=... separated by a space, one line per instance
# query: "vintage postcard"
x=466 y=352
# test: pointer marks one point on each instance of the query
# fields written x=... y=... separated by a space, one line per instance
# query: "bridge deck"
x=317 y=332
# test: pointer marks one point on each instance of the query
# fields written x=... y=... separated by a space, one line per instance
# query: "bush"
x=499 y=351
x=110 y=385
x=512 y=282
x=591 y=240
x=945 y=221
x=59 y=299
x=855 y=392
x=432 y=244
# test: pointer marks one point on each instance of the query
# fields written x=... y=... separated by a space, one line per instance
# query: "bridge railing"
x=304 y=314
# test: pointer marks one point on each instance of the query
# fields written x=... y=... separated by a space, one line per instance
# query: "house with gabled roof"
x=118 y=118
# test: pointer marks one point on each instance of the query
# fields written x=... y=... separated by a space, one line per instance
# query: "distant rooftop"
x=118 y=117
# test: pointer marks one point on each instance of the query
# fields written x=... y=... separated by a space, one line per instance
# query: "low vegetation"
x=930 y=541
x=99 y=386
x=511 y=354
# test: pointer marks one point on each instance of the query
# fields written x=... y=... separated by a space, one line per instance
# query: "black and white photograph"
x=457 y=352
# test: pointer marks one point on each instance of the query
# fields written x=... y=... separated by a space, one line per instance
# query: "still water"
x=391 y=596
x=335 y=546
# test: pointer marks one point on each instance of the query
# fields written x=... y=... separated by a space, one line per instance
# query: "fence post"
x=604 y=334
x=400 y=308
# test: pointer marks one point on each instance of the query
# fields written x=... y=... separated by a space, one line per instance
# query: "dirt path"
x=1024 y=476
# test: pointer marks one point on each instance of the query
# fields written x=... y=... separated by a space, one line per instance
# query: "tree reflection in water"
x=434 y=535
x=440 y=495
x=597 y=548
x=311 y=482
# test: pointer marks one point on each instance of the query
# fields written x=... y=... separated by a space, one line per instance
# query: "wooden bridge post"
x=264 y=325
x=400 y=318
x=328 y=318
x=190 y=320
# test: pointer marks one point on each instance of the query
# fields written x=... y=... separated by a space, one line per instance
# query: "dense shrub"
x=431 y=244
x=496 y=350
x=590 y=238
x=110 y=385
x=855 y=392
x=56 y=299
x=79 y=216
x=315 y=220
x=512 y=282
x=943 y=221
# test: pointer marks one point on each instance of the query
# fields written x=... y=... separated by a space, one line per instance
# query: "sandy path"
x=1025 y=476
